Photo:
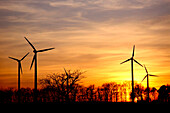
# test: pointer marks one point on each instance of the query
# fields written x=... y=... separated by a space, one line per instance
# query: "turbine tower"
x=34 y=60
x=19 y=70
x=132 y=59
x=147 y=75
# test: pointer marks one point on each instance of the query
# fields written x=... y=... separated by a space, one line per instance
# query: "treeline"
x=66 y=87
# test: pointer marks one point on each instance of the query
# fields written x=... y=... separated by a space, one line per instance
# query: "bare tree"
x=106 y=89
x=65 y=84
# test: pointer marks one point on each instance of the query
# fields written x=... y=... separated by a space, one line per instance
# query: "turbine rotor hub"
x=34 y=51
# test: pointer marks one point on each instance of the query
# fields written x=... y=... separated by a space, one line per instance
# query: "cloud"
x=52 y=15
x=67 y=3
x=96 y=34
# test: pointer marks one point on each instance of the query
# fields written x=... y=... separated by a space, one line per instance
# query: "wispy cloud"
x=95 y=34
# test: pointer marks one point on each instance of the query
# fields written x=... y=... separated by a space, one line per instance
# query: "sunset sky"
x=90 y=35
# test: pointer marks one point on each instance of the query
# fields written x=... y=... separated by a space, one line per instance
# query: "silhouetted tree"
x=82 y=94
x=154 y=93
x=7 y=95
x=26 y=95
x=126 y=86
x=99 y=94
x=138 y=92
x=106 y=90
x=164 y=93
x=64 y=86
x=91 y=92
x=55 y=88
x=115 y=89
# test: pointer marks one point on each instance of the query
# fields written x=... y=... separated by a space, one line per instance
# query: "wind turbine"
x=34 y=60
x=147 y=75
x=132 y=59
x=19 y=70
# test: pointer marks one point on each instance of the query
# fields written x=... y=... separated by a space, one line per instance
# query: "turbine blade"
x=32 y=62
x=146 y=69
x=29 y=43
x=153 y=75
x=133 y=51
x=144 y=78
x=45 y=49
x=138 y=62
x=25 y=56
x=125 y=61
x=13 y=58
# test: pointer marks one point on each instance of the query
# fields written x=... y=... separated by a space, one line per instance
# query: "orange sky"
x=91 y=35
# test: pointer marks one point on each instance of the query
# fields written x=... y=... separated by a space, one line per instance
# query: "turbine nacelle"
x=34 y=51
